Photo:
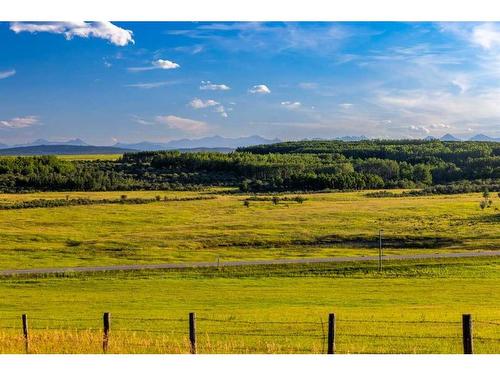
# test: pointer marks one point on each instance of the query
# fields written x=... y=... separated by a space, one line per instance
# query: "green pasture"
x=411 y=307
x=325 y=225
x=91 y=157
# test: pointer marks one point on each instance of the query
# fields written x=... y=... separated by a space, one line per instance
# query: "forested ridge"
x=287 y=166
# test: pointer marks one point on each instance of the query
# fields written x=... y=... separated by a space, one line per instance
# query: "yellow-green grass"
x=204 y=230
x=411 y=307
x=91 y=157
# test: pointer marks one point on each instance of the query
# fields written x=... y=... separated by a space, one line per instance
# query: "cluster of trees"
x=319 y=165
x=50 y=173
x=288 y=166
x=403 y=163
x=44 y=203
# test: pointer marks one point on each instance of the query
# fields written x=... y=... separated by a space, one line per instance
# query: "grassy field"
x=91 y=157
x=411 y=307
x=330 y=224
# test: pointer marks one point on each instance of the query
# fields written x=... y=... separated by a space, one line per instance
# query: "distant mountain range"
x=476 y=138
x=62 y=150
x=44 y=142
x=77 y=146
x=207 y=144
x=483 y=138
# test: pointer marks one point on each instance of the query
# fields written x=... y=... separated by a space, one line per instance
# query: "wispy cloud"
x=183 y=124
x=259 y=89
x=291 y=105
x=273 y=37
x=7 y=73
x=103 y=30
x=437 y=110
x=151 y=85
x=142 y=121
x=308 y=85
x=207 y=85
x=193 y=50
x=19 y=122
x=156 y=64
x=462 y=82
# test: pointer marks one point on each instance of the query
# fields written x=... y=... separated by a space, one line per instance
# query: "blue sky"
x=124 y=81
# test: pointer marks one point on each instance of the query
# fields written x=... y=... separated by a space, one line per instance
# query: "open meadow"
x=176 y=230
x=90 y=157
x=412 y=306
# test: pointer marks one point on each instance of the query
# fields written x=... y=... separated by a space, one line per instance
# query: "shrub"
x=299 y=199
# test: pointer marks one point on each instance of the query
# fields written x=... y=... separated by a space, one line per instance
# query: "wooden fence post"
x=331 y=334
x=105 y=337
x=467 y=333
x=25 y=333
x=192 y=332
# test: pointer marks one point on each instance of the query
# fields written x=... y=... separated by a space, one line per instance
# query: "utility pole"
x=380 y=249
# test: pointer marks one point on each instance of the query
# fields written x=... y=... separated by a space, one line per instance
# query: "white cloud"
x=419 y=129
x=165 y=64
x=486 y=35
x=156 y=64
x=440 y=126
x=19 y=122
x=427 y=129
x=202 y=104
x=220 y=109
x=207 y=85
x=291 y=105
x=346 y=105
x=259 y=89
x=103 y=30
x=184 y=124
x=7 y=73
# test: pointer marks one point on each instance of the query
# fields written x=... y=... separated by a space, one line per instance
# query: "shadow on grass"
x=493 y=219
x=360 y=241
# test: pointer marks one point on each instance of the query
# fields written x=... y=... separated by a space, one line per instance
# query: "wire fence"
x=329 y=334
